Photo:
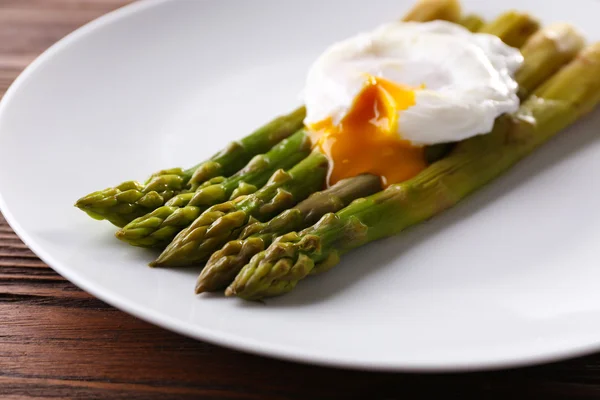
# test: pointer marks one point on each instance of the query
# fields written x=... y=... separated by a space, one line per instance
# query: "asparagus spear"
x=546 y=51
x=429 y=10
x=542 y=56
x=224 y=264
x=223 y=222
x=566 y=97
x=513 y=27
x=159 y=227
x=125 y=202
x=472 y=22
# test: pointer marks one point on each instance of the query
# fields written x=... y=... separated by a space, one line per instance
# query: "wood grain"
x=59 y=342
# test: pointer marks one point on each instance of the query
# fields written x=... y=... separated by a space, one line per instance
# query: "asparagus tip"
x=428 y=10
x=167 y=260
x=83 y=204
x=129 y=235
x=200 y=287
x=162 y=260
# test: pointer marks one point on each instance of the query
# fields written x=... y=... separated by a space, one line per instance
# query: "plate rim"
x=232 y=341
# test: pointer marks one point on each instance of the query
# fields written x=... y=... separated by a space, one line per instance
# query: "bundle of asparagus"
x=562 y=100
x=541 y=59
x=159 y=228
x=258 y=210
x=222 y=222
x=188 y=249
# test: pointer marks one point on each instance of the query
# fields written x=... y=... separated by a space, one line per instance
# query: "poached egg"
x=375 y=100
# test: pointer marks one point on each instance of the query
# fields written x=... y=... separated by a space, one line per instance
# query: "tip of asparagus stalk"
x=169 y=259
x=200 y=288
x=428 y=10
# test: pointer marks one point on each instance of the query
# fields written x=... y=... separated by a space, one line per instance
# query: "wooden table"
x=57 y=341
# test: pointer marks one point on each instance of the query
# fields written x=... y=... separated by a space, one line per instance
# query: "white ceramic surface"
x=509 y=277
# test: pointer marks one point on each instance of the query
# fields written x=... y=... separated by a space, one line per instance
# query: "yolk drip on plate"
x=367 y=140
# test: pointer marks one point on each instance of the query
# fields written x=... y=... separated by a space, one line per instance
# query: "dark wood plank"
x=59 y=342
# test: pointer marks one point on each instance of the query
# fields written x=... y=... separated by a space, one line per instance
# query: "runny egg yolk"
x=366 y=140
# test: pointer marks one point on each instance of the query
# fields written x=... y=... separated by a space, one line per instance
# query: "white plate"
x=509 y=277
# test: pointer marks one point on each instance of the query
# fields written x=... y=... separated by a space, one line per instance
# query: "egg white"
x=463 y=81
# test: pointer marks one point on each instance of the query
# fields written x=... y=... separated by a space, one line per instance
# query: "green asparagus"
x=513 y=27
x=159 y=227
x=172 y=226
x=123 y=203
x=566 y=97
x=429 y=10
x=546 y=56
x=545 y=52
x=472 y=22
x=224 y=264
x=223 y=222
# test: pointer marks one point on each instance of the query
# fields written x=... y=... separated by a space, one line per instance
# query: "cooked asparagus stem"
x=546 y=52
x=561 y=101
x=513 y=27
x=224 y=264
x=159 y=227
x=472 y=22
x=125 y=202
x=429 y=10
x=223 y=222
